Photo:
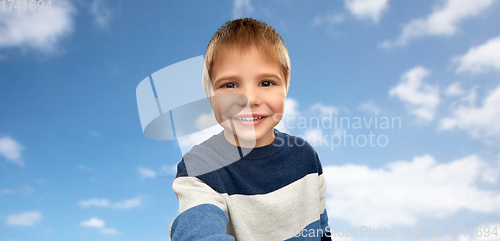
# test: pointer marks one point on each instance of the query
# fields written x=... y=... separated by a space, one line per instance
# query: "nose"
x=251 y=97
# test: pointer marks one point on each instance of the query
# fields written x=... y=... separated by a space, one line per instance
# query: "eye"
x=266 y=83
x=228 y=85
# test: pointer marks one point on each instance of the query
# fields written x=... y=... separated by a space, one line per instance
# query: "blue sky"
x=74 y=163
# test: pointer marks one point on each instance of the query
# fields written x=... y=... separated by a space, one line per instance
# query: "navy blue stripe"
x=318 y=164
x=261 y=176
x=315 y=231
x=256 y=176
x=327 y=236
x=181 y=169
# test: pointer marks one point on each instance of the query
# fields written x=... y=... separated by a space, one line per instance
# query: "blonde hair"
x=241 y=34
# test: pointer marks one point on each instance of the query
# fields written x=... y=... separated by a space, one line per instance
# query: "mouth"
x=249 y=120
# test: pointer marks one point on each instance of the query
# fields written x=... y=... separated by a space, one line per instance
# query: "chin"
x=251 y=135
x=254 y=136
x=247 y=134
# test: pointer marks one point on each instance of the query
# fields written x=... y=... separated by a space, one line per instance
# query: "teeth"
x=249 y=118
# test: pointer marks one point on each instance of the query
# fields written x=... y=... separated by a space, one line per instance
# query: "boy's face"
x=250 y=91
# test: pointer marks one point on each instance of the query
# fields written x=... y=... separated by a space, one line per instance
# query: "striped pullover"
x=274 y=192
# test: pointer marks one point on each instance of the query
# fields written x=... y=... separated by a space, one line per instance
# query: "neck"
x=234 y=140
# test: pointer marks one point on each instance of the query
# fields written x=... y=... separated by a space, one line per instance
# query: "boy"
x=251 y=181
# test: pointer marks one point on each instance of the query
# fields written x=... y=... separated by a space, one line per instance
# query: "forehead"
x=252 y=60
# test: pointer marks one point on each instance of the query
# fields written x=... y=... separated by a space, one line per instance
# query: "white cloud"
x=95 y=133
x=109 y=231
x=11 y=149
x=291 y=107
x=95 y=202
x=39 y=30
x=125 y=204
x=367 y=9
x=6 y=191
x=313 y=136
x=443 y=21
x=454 y=89
x=84 y=168
x=490 y=235
x=481 y=58
x=23 y=190
x=205 y=121
x=97 y=223
x=479 y=121
x=146 y=173
x=187 y=142
x=421 y=98
x=329 y=19
x=128 y=204
x=93 y=223
x=402 y=192
x=370 y=107
x=169 y=170
x=291 y=110
x=242 y=8
x=324 y=110
x=293 y=116
x=24 y=219
x=468 y=97
x=101 y=13
x=165 y=170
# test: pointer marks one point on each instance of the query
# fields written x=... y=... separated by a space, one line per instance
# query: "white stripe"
x=191 y=192
x=322 y=193
x=277 y=215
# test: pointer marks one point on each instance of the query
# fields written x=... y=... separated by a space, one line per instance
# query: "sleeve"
x=324 y=216
x=205 y=222
x=202 y=212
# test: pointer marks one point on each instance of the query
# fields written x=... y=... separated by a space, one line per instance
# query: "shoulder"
x=202 y=162
x=198 y=160
x=299 y=149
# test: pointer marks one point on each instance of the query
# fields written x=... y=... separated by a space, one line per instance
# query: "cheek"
x=229 y=104
x=277 y=105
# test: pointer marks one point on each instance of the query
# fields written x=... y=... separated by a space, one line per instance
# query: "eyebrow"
x=264 y=75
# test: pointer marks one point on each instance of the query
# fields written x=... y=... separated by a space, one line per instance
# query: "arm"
x=204 y=222
x=202 y=212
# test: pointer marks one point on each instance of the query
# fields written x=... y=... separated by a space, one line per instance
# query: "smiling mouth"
x=249 y=118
